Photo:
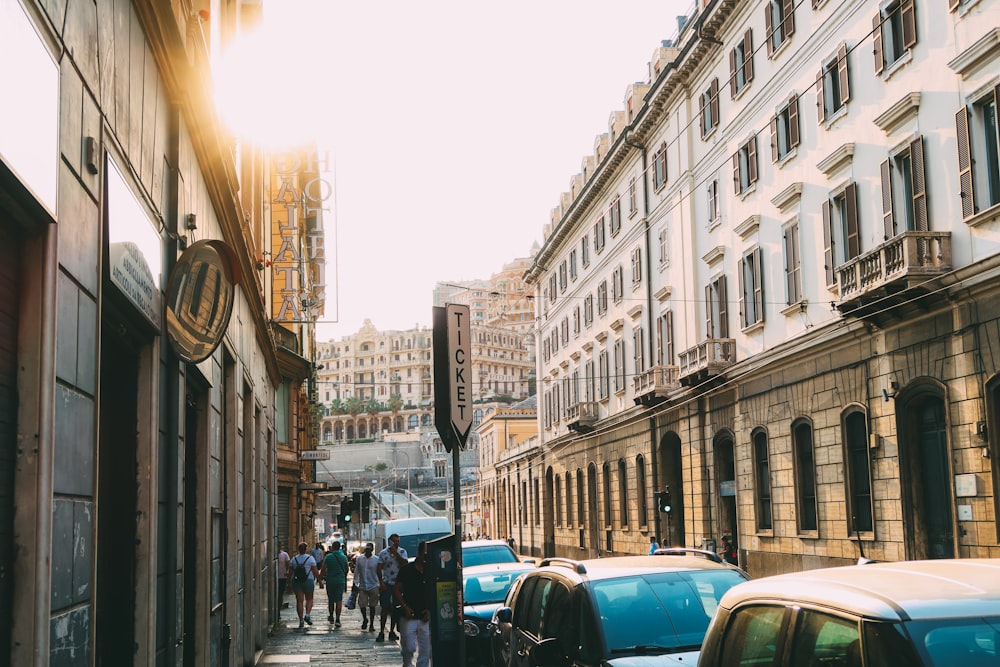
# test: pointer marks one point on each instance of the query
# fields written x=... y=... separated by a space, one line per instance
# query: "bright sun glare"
x=269 y=86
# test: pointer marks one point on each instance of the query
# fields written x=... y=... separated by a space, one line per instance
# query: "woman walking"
x=304 y=576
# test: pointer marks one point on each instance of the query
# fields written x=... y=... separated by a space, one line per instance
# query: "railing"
x=584 y=412
x=711 y=355
x=910 y=254
x=657 y=380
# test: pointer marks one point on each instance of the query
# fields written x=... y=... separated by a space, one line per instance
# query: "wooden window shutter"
x=920 y=221
x=670 y=338
x=774 y=138
x=723 y=308
x=853 y=236
x=660 y=342
x=741 y=268
x=748 y=55
x=752 y=158
x=736 y=172
x=788 y=18
x=820 y=105
x=828 y=242
x=965 y=178
x=758 y=285
x=715 y=101
x=953 y=5
x=793 y=121
x=769 y=28
x=845 y=83
x=877 y=42
x=908 y=16
x=709 y=308
x=732 y=73
x=701 y=115
x=888 y=219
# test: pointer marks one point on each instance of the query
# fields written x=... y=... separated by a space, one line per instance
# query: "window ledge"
x=742 y=90
x=897 y=65
x=714 y=223
x=754 y=328
x=787 y=157
x=780 y=47
x=765 y=532
x=795 y=308
x=750 y=189
x=808 y=535
x=987 y=215
x=835 y=116
x=864 y=536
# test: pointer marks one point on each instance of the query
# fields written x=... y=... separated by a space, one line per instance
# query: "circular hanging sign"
x=200 y=299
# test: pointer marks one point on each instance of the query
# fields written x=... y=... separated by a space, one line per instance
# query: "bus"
x=411 y=532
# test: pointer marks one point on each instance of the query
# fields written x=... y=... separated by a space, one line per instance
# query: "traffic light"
x=346 y=510
x=663 y=500
x=366 y=506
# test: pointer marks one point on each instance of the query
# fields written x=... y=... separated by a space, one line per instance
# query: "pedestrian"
x=318 y=554
x=304 y=577
x=366 y=582
x=653 y=546
x=510 y=541
x=664 y=543
x=335 y=573
x=283 y=560
x=410 y=593
x=390 y=560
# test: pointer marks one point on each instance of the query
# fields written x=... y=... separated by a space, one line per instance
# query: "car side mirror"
x=503 y=615
x=528 y=560
x=548 y=653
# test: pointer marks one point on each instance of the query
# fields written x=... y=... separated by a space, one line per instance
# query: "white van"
x=411 y=532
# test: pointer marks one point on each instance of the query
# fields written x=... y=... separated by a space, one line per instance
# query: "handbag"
x=352 y=599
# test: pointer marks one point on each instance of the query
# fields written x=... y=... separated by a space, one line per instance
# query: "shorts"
x=385 y=598
x=335 y=591
x=368 y=598
x=282 y=584
x=307 y=586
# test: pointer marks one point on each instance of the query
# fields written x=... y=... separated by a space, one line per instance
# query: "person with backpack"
x=304 y=577
x=335 y=570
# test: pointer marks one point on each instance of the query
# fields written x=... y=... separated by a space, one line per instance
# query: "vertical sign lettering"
x=460 y=370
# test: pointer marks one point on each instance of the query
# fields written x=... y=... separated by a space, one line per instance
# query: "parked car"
x=625 y=610
x=482 y=552
x=484 y=590
x=919 y=613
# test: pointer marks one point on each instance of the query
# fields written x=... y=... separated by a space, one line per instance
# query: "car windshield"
x=490 y=587
x=490 y=553
x=663 y=612
x=967 y=642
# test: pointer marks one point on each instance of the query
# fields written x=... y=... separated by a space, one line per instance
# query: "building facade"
x=772 y=291
x=141 y=387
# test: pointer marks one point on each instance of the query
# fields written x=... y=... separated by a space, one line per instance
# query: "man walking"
x=390 y=560
x=653 y=546
x=283 y=560
x=410 y=592
x=366 y=579
x=335 y=571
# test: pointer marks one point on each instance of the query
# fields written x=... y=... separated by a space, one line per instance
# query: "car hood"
x=688 y=658
x=481 y=611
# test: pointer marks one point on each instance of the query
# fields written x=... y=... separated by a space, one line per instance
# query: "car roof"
x=484 y=543
x=909 y=590
x=493 y=568
x=621 y=566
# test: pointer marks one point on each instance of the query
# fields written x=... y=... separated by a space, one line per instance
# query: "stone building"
x=773 y=289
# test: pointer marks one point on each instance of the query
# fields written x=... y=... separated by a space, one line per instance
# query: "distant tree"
x=372 y=406
x=354 y=406
x=336 y=407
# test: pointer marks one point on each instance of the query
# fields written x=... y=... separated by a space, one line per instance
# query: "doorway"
x=927 y=467
x=593 y=518
x=548 y=509
x=725 y=471
x=672 y=478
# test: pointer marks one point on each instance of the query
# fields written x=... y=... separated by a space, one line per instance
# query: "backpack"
x=299 y=572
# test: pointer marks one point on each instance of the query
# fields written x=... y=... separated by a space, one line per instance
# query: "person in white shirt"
x=366 y=579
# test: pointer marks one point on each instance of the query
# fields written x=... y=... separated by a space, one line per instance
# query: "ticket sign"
x=452 y=375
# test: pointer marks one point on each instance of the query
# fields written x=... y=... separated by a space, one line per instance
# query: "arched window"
x=762 y=479
x=557 y=500
x=622 y=493
x=606 y=484
x=569 y=500
x=640 y=488
x=858 y=475
x=805 y=476
x=413 y=421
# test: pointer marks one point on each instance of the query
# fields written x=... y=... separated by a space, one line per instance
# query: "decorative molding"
x=618 y=325
x=662 y=294
x=601 y=336
x=795 y=308
x=748 y=226
x=714 y=255
x=575 y=355
x=788 y=197
x=588 y=347
x=837 y=159
x=635 y=311
x=900 y=112
x=564 y=364
x=968 y=60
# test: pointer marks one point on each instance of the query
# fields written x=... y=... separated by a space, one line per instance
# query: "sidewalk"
x=322 y=644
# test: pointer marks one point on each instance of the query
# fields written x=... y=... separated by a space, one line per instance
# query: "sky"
x=454 y=126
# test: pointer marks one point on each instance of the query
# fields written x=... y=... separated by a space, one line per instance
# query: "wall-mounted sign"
x=315 y=455
x=200 y=299
x=727 y=488
x=130 y=272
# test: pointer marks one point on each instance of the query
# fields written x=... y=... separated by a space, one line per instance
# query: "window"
x=602 y=375
x=894 y=33
x=805 y=476
x=564 y=331
x=833 y=637
x=636 y=266
x=663 y=247
x=713 y=200
x=904 y=191
x=833 y=89
x=632 y=203
x=840 y=230
x=546 y=350
x=640 y=487
x=745 y=166
x=588 y=380
x=617 y=284
x=859 y=477
x=602 y=297
x=606 y=492
x=762 y=479
x=576 y=321
x=599 y=235
x=978 y=154
x=717 y=325
x=708 y=108
x=580 y=497
x=622 y=494
x=779 y=16
x=569 y=499
x=793 y=264
x=572 y=264
x=665 y=339
x=553 y=293
x=660 y=167
x=638 y=342
x=741 y=64
x=588 y=309
x=751 y=288
x=562 y=276
x=585 y=251
x=615 y=214
x=785 y=130
x=557 y=500
x=619 y=351
x=757 y=632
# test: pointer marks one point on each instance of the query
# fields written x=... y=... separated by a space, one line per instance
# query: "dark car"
x=484 y=591
x=934 y=613
x=611 y=612
x=482 y=552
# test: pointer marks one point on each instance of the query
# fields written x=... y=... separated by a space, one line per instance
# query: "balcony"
x=896 y=279
x=654 y=385
x=582 y=416
x=706 y=359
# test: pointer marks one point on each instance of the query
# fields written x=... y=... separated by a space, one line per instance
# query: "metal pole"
x=457 y=490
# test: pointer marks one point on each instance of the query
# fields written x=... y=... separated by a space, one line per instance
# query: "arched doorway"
x=925 y=472
x=549 y=523
x=725 y=473
x=671 y=476
x=593 y=518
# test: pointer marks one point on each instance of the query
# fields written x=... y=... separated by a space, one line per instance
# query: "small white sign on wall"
x=965 y=512
x=965 y=485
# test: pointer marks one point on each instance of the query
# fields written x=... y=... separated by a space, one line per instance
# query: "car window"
x=487 y=554
x=589 y=637
x=522 y=602
x=967 y=642
x=754 y=636
x=539 y=599
x=824 y=640
x=557 y=619
x=487 y=588
x=887 y=645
